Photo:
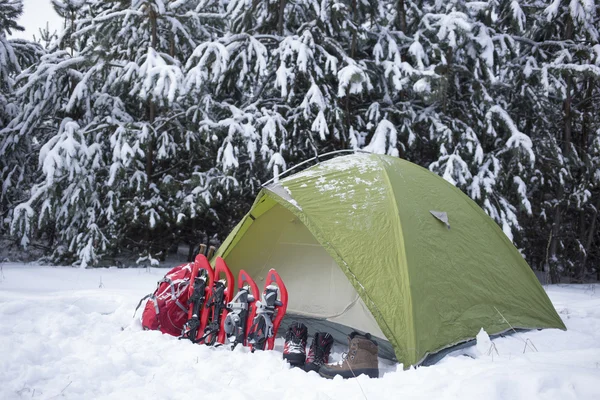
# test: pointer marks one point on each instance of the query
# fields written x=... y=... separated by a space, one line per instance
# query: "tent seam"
x=248 y=215
x=317 y=234
x=392 y=197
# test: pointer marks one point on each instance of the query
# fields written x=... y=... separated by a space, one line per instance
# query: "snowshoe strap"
x=262 y=329
x=211 y=329
x=237 y=304
x=216 y=302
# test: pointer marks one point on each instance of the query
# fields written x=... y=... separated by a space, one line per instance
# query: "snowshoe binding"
x=242 y=310
x=221 y=294
x=202 y=275
x=269 y=313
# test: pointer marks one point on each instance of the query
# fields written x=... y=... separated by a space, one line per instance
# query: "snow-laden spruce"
x=179 y=110
x=15 y=56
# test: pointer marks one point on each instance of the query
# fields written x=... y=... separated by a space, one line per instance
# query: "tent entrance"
x=318 y=289
x=339 y=332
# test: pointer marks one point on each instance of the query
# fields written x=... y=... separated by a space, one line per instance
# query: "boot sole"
x=370 y=372
x=295 y=360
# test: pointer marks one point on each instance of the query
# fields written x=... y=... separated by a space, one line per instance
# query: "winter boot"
x=318 y=353
x=361 y=359
x=294 y=350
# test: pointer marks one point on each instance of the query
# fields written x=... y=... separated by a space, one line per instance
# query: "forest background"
x=145 y=126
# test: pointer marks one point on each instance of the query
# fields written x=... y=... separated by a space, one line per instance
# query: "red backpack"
x=167 y=308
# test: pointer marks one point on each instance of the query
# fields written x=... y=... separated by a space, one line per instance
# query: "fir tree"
x=156 y=122
x=566 y=66
x=15 y=155
x=124 y=167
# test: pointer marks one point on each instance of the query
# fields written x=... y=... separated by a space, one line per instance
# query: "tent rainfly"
x=381 y=245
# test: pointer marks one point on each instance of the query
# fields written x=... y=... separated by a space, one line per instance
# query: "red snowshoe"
x=242 y=310
x=221 y=294
x=269 y=313
x=199 y=292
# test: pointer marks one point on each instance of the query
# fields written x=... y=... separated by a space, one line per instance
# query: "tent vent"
x=442 y=216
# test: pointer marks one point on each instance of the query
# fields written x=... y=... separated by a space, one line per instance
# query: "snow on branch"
x=272 y=123
x=21 y=224
x=517 y=14
x=522 y=190
x=208 y=63
x=485 y=41
x=276 y=162
x=63 y=152
x=456 y=169
x=517 y=139
x=161 y=80
x=384 y=140
x=351 y=80
x=283 y=74
x=319 y=125
x=313 y=96
x=227 y=156
x=449 y=25
x=584 y=69
x=299 y=51
x=416 y=50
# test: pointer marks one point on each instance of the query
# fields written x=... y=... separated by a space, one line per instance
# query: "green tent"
x=381 y=245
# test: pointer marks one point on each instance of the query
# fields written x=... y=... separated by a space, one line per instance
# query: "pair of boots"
x=294 y=350
x=361 y=357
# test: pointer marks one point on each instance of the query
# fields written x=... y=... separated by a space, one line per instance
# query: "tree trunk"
x=553 y=262
x=446 y=86
x=566 y=147
x=587 y=116
x=348 y=121
x=72 y=38
x=151 y=105
x=585 y=237
x=354 y=19
x=150 y=148
x=590 y=240
x=172 y=45
x=281 y=16
x=568 y=119
x=401 y=16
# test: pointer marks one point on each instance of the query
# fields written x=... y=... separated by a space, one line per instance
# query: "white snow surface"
x=69 y=333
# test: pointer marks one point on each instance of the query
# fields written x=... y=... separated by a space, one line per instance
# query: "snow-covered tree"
x=443 y=80
x=15 y=55
x=466 y=87
x=563 y=60
x=155 y=122
x=123 y=164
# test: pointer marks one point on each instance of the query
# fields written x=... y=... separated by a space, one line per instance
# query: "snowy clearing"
x=69 y=333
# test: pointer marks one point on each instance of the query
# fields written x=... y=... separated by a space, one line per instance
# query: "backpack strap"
x=174 y=296
x=152 y=297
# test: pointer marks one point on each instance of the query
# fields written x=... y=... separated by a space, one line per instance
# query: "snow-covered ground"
x=69 y=333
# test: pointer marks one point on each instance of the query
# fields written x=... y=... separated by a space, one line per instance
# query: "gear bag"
x=167 y=308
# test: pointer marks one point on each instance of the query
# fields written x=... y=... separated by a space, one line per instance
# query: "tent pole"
x=318 y=160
